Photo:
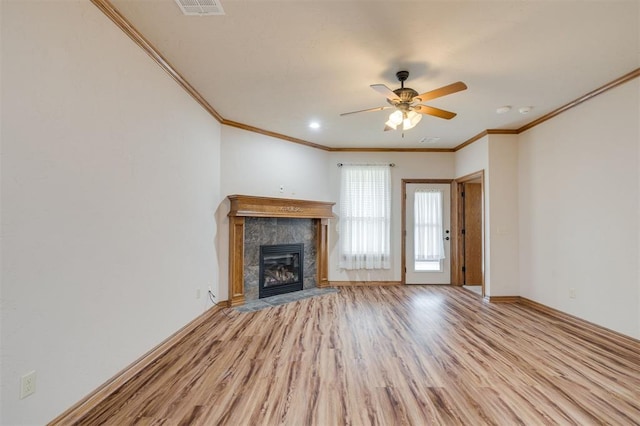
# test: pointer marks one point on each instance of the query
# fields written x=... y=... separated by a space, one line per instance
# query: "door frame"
x=457 y=257
x=403 y=232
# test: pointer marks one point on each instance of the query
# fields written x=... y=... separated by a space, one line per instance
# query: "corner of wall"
x=503 y=221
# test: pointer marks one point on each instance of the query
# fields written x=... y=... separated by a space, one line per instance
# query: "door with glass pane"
x=428 y=238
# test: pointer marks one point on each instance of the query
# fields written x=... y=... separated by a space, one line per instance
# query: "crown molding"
x=483 y=134
x=615 y=83
x=391 y=149
x=121 y=22
x=273 y=134
x=600 y=90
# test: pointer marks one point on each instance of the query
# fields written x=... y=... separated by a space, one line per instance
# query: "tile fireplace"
x=259 y=222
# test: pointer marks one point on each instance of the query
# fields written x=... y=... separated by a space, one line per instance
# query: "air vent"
x=432 y=139
x=200 y=7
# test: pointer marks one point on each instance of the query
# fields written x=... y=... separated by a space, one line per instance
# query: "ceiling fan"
x=407 y=101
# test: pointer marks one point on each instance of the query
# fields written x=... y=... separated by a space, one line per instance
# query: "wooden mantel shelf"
x=250 y=206
x=243 y=206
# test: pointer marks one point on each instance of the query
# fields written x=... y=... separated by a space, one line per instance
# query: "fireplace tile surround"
x=255 y=221
x=260 y=231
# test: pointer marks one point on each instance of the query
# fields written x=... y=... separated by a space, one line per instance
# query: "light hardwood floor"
x=384 y=356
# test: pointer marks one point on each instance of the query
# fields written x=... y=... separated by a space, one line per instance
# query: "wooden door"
x=472 y=236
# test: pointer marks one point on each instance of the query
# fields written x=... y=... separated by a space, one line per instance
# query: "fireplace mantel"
x=249 y=206
x=243 y=206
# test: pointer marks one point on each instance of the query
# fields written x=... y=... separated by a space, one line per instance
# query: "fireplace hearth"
x=281 y=269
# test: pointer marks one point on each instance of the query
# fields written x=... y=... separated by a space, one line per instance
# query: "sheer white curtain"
x=429 y=245
x=365 y=216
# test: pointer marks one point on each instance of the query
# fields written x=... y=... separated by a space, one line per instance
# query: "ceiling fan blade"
x=437 y=112
x=366 y=110
x=443 y=91
x=385 y=91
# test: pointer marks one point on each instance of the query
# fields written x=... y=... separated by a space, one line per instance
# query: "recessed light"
x=503 y=109
x=314 y=125
x=525 y=110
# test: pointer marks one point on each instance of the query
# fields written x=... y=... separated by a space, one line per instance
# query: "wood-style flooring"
x=414 y=355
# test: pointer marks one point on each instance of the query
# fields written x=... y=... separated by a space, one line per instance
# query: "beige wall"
x=497 y=155
x=579 y=215
x=502 y=203
x=407 y=165
x=109 y=176
x=255 y=164
x=471 y=159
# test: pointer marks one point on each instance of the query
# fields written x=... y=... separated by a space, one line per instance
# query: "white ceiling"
x=277 y=65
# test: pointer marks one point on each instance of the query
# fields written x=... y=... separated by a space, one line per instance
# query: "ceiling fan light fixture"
x=396 y=118
x=389 y=125
x=411 y=120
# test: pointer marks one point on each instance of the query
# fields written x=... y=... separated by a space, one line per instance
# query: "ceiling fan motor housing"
x=404 y=93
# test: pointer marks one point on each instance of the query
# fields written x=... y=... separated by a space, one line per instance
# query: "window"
x=365 y=211
x=428 y=229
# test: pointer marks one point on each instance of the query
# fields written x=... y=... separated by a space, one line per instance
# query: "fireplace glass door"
x=281 y=269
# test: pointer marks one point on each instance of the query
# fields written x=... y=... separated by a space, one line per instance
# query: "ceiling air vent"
x=200 y=7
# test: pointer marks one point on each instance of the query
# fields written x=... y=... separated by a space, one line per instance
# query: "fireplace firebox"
x=281 y=269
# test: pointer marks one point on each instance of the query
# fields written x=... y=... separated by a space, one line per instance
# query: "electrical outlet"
x=28 y=384
x=572 y=293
